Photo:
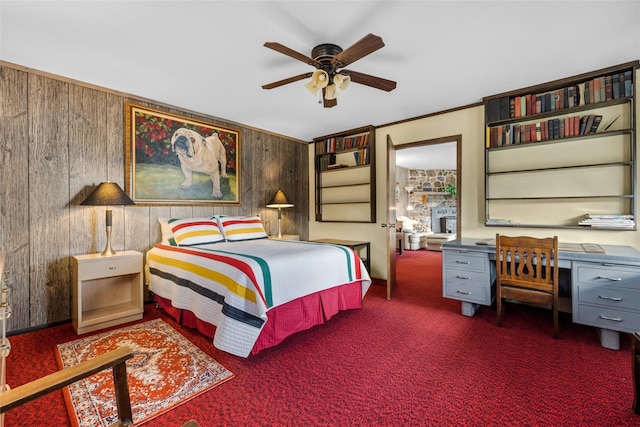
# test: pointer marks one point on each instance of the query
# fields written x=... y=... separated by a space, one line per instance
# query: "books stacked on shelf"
x=355 y=141
x=361 y=156
x=558 y=128
x=324 y=162
x=621 y=221
x=331 y=145
x=599 y=89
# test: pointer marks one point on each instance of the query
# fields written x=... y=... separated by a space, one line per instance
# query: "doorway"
x=428 y=181
x=428 y=188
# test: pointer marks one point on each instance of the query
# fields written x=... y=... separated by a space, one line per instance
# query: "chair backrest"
x=114 y=359
x=527 y=262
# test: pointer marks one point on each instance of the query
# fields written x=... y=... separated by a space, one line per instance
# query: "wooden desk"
x=605 y=282
x=356 y=245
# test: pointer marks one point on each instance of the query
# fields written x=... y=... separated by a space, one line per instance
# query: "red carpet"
x=411 y=361
x=165 y=371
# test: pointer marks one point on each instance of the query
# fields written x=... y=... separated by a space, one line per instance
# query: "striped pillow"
x=236 y=228
x=195 y=231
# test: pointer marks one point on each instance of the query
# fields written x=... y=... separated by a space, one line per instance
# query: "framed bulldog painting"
x=175 y=159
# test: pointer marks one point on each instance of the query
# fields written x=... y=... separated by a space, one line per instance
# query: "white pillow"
x=195 y=231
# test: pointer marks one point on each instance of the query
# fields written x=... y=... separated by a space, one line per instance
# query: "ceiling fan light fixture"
x=319 y=80
x=340 y=84
x=329 y=59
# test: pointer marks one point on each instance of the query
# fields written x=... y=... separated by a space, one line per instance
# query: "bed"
x=246 y=291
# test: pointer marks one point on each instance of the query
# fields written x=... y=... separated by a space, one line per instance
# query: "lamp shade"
x=107 y=193
x=279 y=200
x=319 y=79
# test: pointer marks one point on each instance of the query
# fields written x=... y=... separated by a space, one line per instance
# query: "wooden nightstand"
x=107 y=290
x=286 y=237
x=356 y=245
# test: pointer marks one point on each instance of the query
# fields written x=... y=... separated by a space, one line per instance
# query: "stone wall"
x=428 y=193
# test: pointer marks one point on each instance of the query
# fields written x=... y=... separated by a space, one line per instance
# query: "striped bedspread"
x=233 y=285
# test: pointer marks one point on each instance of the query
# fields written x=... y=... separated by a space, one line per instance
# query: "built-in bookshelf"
x=345 y=176
x=562 y=154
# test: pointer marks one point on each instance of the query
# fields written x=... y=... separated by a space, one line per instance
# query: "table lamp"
x=279 y=200
x=107 y=194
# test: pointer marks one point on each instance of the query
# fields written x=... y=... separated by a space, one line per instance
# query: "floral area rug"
x=165 y=371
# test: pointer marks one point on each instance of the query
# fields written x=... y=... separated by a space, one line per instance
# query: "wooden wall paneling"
x=114 y=120
x=265 y=161
x=202 y=211
x=289 y=218
x=60 y=139
x=301 y=184
x=113 y=156
x=87 y=168
x=14 y=206
x=181 y=211
x=155 y=212
x=50 y=299
x=136 y=222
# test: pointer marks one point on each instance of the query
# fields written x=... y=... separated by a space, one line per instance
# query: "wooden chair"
x=635 y=367
x=115 y=359
x=525 y=272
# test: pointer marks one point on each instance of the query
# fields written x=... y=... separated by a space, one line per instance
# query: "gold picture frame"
x=175 y=159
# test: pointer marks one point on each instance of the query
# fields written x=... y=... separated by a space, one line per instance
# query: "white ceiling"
x=208 y=56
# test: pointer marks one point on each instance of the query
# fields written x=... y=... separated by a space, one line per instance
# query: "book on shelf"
x=589 y=123
x=583 y=124
x=608 y=87
x=615 y=84
x=596 y=122
x=596 y=90
x=628 y=84
x=337 y=166
x=504 y=108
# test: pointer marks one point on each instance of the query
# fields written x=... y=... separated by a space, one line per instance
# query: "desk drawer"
x=466 y=285
x=609 y=296
x=602 y=274
x=465 y=260
x=617 y=320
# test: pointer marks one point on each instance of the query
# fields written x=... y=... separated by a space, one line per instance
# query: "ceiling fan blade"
x=363 y=47
x=287 y=81
x=292 y=53
x=372 y=81
x=328 y=103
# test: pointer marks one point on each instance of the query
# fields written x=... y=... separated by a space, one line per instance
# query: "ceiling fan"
x=330 y=75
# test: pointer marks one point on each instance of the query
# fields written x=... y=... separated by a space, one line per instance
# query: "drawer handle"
x=610 y=298
x=613 y=279
x=463 y=292
x=112 y=268
x=463 y=262
x=615 y=319
x=463 y=277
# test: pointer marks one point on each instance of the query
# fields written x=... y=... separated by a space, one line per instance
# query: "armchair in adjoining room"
x=414 y=233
